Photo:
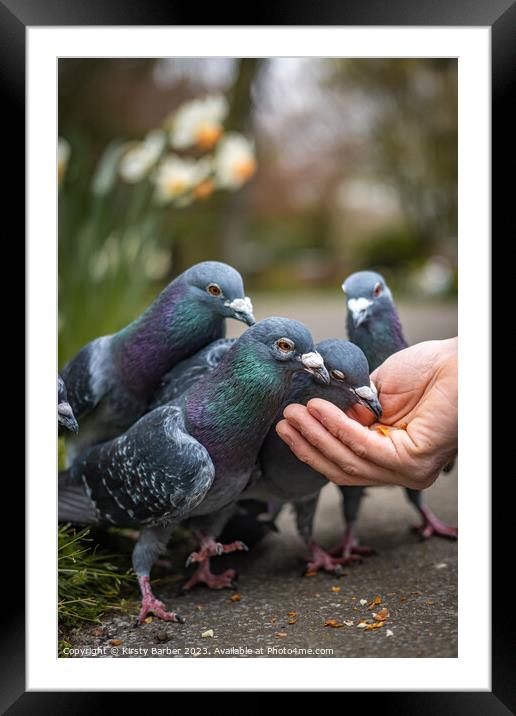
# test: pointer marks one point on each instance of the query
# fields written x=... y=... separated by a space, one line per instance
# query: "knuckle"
x=348 y=469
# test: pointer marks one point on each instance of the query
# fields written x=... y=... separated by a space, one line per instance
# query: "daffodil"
x=235 y=161
x=137 y=162
x=199 y=123
x=63 y=154
x=176 y=178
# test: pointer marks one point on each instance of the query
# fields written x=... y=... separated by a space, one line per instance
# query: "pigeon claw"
x=204 y=575
x=154 y=606
x=320 y=559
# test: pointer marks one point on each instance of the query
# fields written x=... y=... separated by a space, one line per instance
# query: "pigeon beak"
x=242 y=310
x=314 y=364
x=367 y=395
x=359 y=309
x=66 y=418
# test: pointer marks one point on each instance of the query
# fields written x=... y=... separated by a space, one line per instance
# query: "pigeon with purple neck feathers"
x=373 y=324
x=111 y=380
x=65 y=418
x=194 y=455
x=279 y=476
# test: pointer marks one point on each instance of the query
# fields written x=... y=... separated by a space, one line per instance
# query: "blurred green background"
x=356 y=168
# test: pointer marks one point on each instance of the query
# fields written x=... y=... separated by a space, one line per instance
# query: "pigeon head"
x=220 y=288
x=65 y=416
x=287 y=343
x=368 y=297
x=349 y=372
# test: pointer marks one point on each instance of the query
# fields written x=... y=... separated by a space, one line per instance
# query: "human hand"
x=417 y=388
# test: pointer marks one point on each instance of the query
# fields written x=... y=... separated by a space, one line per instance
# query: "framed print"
x=333 y=172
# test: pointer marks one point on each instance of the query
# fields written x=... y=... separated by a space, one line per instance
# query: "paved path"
x=417 y=581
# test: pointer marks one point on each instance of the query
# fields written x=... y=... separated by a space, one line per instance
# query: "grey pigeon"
x=282 y=477
x=374 y=325
x=192 y=456
x=111 y=379
x=65 y=417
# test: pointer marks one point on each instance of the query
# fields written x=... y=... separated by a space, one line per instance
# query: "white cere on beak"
x=357 y=305
x=373 y=388
x=241 y=305
x=312 y=360
x=365 y=392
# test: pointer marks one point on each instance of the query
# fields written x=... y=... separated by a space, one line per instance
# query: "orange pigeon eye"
x=285 y=345
x=214 y=290
x=377 y=290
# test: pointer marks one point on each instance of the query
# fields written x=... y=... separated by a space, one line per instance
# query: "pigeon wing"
x=155 y=472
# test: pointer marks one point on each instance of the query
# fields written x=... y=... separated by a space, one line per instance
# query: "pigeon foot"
x=210 y=548
x=320 y=559
x=204 y=575
x=150 y=604
x=349 y=550
x=432 y=525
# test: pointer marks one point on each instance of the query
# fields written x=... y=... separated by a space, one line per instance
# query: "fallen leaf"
x=333 y=623
x=335 y=589
x=382 y=615
x=208 y=634
x=235 y=597
x=382 y=429
x=377 y=600
x=115 y=642
x=376 y=625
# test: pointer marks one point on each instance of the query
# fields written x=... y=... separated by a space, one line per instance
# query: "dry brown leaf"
x=376 y=601
x=382 y=615
x=333 y=623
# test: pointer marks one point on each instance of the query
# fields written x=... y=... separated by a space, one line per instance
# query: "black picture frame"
x=500 y=15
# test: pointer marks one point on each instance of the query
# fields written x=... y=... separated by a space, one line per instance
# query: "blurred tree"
x=411 y=137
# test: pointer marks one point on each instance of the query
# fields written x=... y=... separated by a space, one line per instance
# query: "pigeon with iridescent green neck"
x=374 y=325
x=191 y=457
x=111 y=380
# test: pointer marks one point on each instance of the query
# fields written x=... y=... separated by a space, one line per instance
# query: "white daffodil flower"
x=177 y=178
x=199 y=123
x=63 y=155
x=235 y=161
x=137 y=162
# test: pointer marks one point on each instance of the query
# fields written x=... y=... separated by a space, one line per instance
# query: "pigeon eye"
x=213 y=289
x=285 y=345
x=377 y=290
x=338 y=375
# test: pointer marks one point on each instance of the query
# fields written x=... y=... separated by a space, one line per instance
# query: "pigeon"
x=65 y=417
x=373 y=324
x=112 y=378
x=283 y=478
x=192 y=456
